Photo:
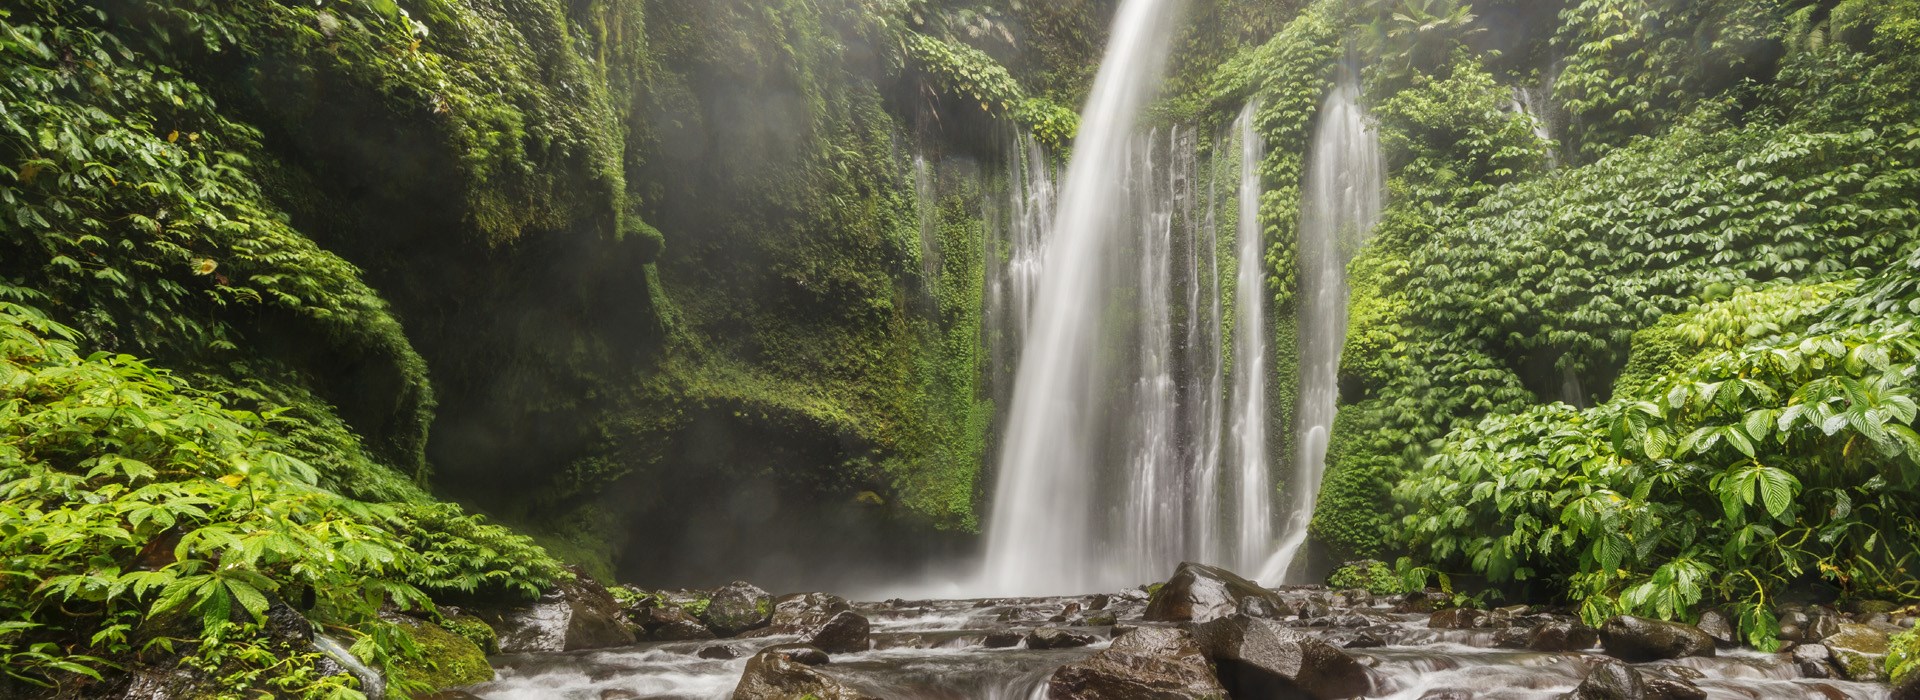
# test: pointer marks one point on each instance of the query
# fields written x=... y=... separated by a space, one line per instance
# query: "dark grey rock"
x=1002 y=639
x=578 y=614
x=718 y=651
x=1259 y=658
x=1562 y=636
x=1148 y=663
x=798 y=612
x=1860 y=651
x=1198 y=593
x=1718 y=627
x=1639 y=639
x=1056 y=638
x=1611 y=680
x=844 y=633
x=1814 y=660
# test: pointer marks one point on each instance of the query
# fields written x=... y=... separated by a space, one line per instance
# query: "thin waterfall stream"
x=1341 y=200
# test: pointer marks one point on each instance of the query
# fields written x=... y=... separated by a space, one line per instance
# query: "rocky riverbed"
x=1205 y=633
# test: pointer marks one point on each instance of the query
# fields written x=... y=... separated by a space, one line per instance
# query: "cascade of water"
x=1341 y=201
x=1040 y=533
x=1254 y=512
x=1153 y=510
x=1015 y=247
x=1206 y=379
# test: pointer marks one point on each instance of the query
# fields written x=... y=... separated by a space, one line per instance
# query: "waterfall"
x=1254 y=512
x=1040 y=531
x=1341 y=201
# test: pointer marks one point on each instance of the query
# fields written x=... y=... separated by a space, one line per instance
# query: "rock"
x=1859 y=652
x=797 y=612
x=1512 y=638
x=669 y=623
x=1261 y=659
x=1358 y=597
x=1814 y=660
x=1002 y=639
x=1870 y=607
x=1908 y=689
x=1199 y=593
x=1262 y=607
x=1447 y=694
x=1098 y=618
x=447 y=660
x=1366 y=640
x=1664 y=688
x=577 y=614
x=800 y=653
x=1148 y=663
x=1056 y=638
x=1098 y=601
x=721 y=652
x=1420 y=601
x=1823 y=623
x=774 y=675
x=1562 y=636
x=1793 y=624
x=844 y=633
x=1456 y=619
x=1638 y=639
x=1611 y=680
x=1716 y=626
x=738 y=607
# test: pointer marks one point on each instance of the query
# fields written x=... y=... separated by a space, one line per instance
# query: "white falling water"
x=1205 y=382
x=1341 y=200
x=1254 y=512
x=1152 y=515
x=1041 y=528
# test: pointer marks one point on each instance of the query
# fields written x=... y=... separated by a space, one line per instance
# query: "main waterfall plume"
x=1041 y=520
x=1341 y=201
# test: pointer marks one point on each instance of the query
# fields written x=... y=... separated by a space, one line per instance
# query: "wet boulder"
x=1198 y=593
x=1056 y=638
x=1908 y=689
x=774 y=674
x=844 y=633
x=1258 y=658
x=1611 y=680
x=1639 y=639
x=1457 y=619
x=1148 y=663
x=1562 y=636
x=1860 y=651
x=1002 y=639
x=577 y=614
x=668 y=623
x=1719 y=628
x=738 y=607
x=1813 y=661
x=719 y=652
x=804 y=611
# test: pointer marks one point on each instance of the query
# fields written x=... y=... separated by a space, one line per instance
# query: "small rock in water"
x=1823 y=622
x=718 y=651
x=1813 y=660
x=1098 y=601
x=799 y=653
x=1638 y=639
x=1562 y=636
x=1716 y=626
x=1198 y=593
x=1262 y=607
x=578 y=614
x=1056 y=638
x=1908 y=690
x=1456 y=619
x=1366 y=640
x=1097 y=618
x=1611 y=680
x=1002 y=639
x=844 y=633
x=1447 y=694
x=669 y=623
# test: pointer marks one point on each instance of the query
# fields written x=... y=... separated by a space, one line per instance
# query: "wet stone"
x=1056 y=638
x=718 y=651
x=1639 y=639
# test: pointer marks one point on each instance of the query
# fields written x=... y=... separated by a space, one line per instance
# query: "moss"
x=1372 y=575
x=447 y=660
x=1903 y=656
x=474 y=630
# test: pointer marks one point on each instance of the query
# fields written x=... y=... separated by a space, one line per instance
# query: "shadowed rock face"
x=845 y=632
x=1149 y=663
x=738 y=607
x=1199 y=593
x=578 y=614
x=1638 y=639
x=1611 y=680
x=1262 y=659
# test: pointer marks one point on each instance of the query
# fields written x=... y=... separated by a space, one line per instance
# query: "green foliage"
x=963 y=71
x=465 y=555
x=1903 y=655
x=1373 y=575
x=1411 y=38
x=140 y=513
x=1727 y=481
x=130 y=202
x=1746 y=317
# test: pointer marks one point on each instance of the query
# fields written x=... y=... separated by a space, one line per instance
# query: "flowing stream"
x=1341 y=202
x=937 y=650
